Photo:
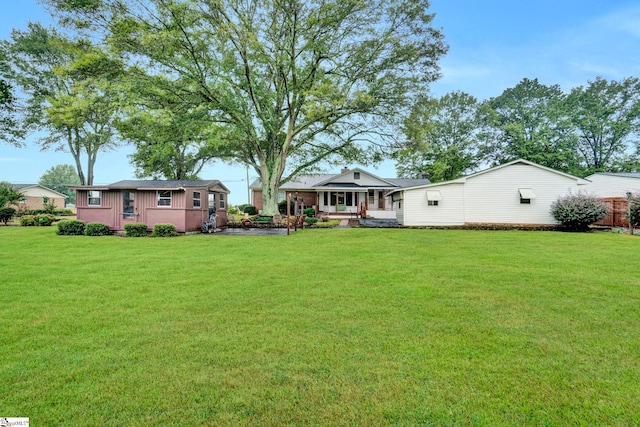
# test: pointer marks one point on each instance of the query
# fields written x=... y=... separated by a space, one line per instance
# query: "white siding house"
x=519 y=192
x=608 y=185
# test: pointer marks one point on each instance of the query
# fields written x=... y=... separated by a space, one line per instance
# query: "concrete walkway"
x=344 y=223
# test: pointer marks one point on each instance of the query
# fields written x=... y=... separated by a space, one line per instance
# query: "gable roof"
x=495 y=168
x=308 y=182
x=29 y=186
x=156 y=184
x=635 y=175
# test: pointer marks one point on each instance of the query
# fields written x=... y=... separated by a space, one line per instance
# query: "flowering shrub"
x=576 y=212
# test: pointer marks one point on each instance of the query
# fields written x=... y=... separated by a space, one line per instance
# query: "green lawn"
x=324 y=327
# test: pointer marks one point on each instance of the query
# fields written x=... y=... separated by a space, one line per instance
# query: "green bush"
x=311 y=221
x=282 y=207
x=27 y=220
x=327 y=224
x=6 y=214
x=136 y=230
x=97 y=229
x=232 y=210
x=635 y=210
x=71 y=227
x=310 y=212
x=576 y=212
x=250 y=209
x=44 y=219
x=164 y=230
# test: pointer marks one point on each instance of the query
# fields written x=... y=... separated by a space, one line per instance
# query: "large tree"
x=59 y=178
x=442 y=138
x=10 y=129
x=531 y=121
x=294 y=82
x=173 y=139
x=606 y=115
x=70 y=94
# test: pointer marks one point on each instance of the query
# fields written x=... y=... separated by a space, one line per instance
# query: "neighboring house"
x=612 y=188
x=518 y=192
x=184 y=203
x=354 y=191
x=35 y=196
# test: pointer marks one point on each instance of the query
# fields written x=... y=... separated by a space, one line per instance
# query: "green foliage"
x=442 y=138
x=291 y=83
x=282 y=207
x=27 y=220
x=71 y=227
x=138 y=229
x=9 y=195
x=164 y=230
x=59 y=178
x=606 y=115
x=248 y=209
x=44 y=219
x=97 y=229
x=70 y=89
x=311 y=220
x=232 y=210
x=531 y=121
x=330 y=223
x=576 y=212
x=6 y=214
x=635 y=210
x=310 y=212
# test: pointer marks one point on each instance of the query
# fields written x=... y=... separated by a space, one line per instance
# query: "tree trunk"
x=270 y=176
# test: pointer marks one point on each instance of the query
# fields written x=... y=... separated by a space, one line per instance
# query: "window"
x=380 y=199
x=94 y=198
x=356 y=175
x=127 y=203
x=349 y=199
x=326 y=198
x=282 y=195
x=526 y=194
x=371 y=197
x=222 y=202
x=433 y=197
x=196 y=199
x=164 y=198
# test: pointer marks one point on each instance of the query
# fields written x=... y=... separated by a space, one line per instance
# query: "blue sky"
x=493 y=45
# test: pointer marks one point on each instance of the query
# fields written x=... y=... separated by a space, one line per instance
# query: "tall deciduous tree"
x=606 y=115
x=531 y=121
x=70 y=94
x=59 y=178
x=295 y=82
x=10 y=129
x=173 y=139
x=442 y=138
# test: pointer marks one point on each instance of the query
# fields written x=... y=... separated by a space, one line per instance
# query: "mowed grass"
x=324 y=327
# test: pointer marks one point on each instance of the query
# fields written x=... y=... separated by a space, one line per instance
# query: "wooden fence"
x=616 y=212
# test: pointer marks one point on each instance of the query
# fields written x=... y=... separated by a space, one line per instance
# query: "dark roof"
x=18 y=186
x=310 y=181
x=153 y=184
x=622 y=174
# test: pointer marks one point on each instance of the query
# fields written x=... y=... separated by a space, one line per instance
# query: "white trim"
x=434 y=195
x=526 y=193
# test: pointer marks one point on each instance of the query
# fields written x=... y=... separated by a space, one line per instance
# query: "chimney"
x=424 y=175
x=344 y=170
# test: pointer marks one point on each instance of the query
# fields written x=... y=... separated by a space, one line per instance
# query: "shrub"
x=28 y=220
x=576 y=212
x=282 y=207
x=44 y=219
x=250 y=209
x=310 y=212
x=327 y=224
x=635 y=210
x=311 y=221
x=232 y=210
x=164 y=230
x=71 y=227
x=136 y=230
x=6 y=214
x=97 y=229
